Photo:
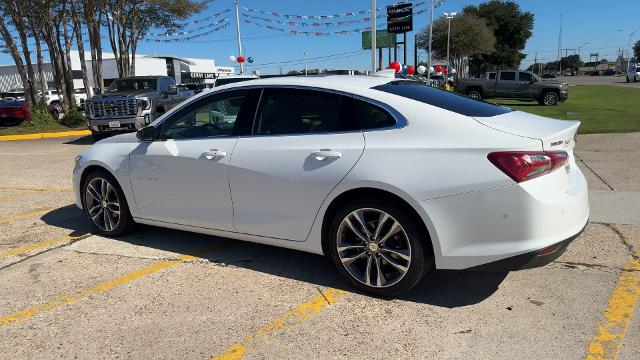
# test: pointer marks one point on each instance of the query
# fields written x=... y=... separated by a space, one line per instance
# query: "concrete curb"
x=44 y=135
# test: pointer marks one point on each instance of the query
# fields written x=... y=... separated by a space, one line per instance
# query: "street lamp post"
x=449 y=16
x=430 y=39
x=305 y=63
x=374 y=35
x=630 y=49
x=238 y=35
x=580 y=47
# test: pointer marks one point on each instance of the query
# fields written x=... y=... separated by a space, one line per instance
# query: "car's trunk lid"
x=554 y=134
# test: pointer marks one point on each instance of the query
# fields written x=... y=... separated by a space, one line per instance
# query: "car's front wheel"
x=105 y=204
x=378 y=248
x=474 y=94
x=549 y=98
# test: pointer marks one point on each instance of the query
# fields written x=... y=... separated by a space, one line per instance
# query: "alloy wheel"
x=102 y=203
x=373 y=247
x=550 y=99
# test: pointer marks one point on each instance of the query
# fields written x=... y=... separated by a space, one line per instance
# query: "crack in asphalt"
x=623 y=240
x=27 y=257
x=593 y=171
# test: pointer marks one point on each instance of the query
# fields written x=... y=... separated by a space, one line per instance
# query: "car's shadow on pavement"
x=445 y=288
x=85 y=140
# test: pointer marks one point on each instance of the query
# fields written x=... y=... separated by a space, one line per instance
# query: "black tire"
x=474 y=94
x=549 y=98
x=123 y=222
x=627 y=79
x=421 y=257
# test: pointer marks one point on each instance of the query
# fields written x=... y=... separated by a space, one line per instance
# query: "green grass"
x=600 y=108
x=20 y=130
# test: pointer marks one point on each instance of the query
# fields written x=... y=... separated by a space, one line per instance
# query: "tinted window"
x=508 y=75
x=366 y=115
x=523 y=76
x=294 y=111
x=132 y=85
x=442 y=99
x=213 y=116
x=492 y=76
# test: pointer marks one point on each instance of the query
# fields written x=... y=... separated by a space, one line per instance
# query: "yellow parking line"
x=622 y=303
x=41 y=245
x=44 y=135
x=35 y=188
x=64 y=300
x=16 y=195
x=289 y=319
x=25 y=215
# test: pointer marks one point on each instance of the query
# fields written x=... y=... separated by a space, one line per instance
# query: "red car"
x=14 y=111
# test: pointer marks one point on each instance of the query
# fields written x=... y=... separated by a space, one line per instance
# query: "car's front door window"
x=213 y=117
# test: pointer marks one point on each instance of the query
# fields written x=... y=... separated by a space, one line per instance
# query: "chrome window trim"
x=400 y=120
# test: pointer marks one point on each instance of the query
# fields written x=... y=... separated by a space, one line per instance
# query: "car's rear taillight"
x=526 y=165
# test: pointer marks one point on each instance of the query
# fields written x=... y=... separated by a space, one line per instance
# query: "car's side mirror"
x=147 y=133
x=172 y=90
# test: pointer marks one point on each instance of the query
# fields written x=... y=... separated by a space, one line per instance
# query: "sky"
x=584 y=21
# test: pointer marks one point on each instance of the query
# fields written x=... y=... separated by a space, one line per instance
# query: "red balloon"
x=438 y=68
x=446 y=71
x=240 y=59
x=395 y=66
x=411 y=70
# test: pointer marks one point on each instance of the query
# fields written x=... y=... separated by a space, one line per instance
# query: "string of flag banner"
x=190 y=31
x=206 y=18
x=325 y=24
x=334 y=16
x=223 y=24
x=309 y=33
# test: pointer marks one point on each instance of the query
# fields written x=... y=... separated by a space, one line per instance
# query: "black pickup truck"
x=514 y=84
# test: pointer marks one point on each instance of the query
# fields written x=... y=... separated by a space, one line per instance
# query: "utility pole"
x=238 y=35
x=430 y=40
x=630 y=49
x=449 y=16
x=560 y=47
x=305 y=63
x=374 y=35
x=415 y=51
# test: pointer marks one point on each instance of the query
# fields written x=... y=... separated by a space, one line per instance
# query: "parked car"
x=514 y=84
x=283 y=161
x=14 y=94
x=609 y=72
x=131 y=103
x=14 y=111
x=80 y=98
x=548 y=76
x=633 y=73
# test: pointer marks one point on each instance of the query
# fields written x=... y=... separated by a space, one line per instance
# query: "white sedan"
x=389 y=178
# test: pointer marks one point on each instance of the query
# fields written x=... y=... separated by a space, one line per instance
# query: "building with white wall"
x=183 y=70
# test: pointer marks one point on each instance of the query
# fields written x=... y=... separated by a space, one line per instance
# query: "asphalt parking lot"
x=65 y=293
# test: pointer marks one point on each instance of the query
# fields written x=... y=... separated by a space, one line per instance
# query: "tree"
x=571 y=62
x=12 y=47
x=511 y=27
x=128 y=21
x=470 y=36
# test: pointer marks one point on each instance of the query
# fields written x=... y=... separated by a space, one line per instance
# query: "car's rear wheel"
x=105 y=204
x=549 y=98
x=474 y=94
x=378 y=248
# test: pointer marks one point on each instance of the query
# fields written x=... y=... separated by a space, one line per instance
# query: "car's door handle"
x=326 y=154
x=213 y=154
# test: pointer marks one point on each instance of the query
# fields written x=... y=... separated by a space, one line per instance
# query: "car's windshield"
x=132 y=85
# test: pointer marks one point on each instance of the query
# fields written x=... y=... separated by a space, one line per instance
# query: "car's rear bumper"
x=532 y=259
x=482 y=227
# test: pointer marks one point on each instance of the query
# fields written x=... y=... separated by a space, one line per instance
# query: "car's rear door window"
x=508 y=75
x=418 y=91
x=298 y=111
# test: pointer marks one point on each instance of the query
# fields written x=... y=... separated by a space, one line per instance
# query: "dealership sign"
x=400 y=18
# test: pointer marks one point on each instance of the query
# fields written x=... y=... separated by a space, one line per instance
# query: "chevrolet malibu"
x=389 y=178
